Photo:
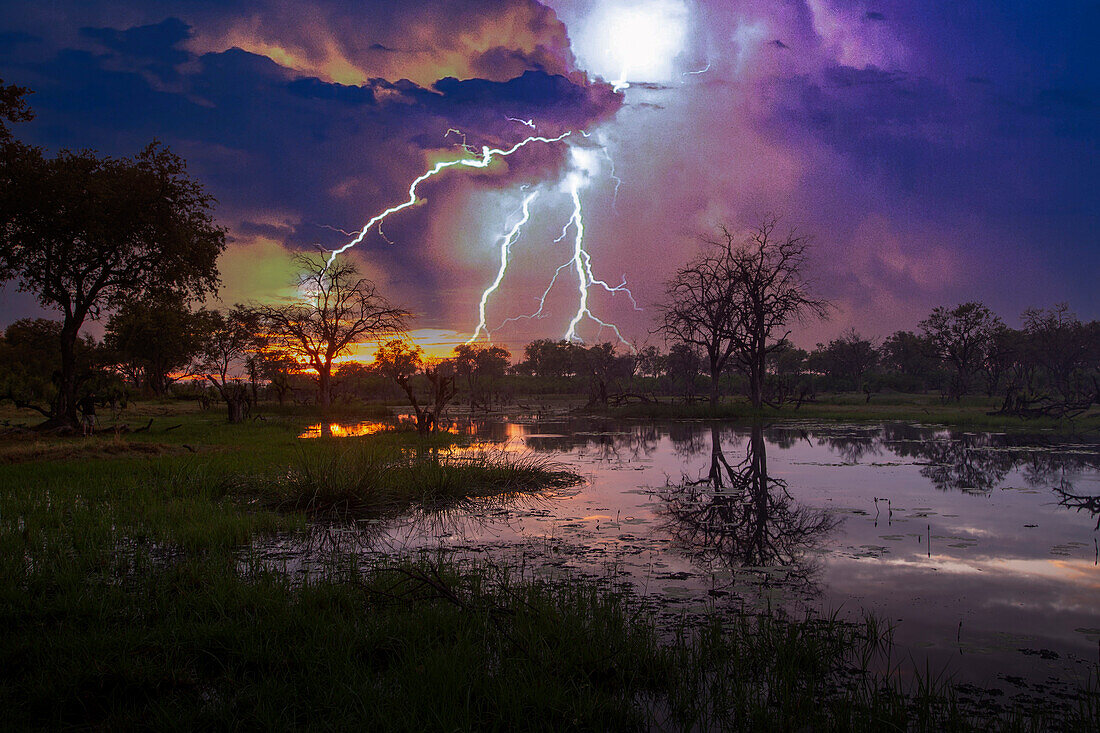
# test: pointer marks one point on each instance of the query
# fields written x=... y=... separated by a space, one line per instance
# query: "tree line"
x=133 y=241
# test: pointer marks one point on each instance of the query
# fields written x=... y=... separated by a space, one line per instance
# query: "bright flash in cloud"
x=624 y=40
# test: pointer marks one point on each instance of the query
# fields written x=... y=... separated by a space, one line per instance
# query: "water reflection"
x=344 y=430
x=1090 y=504
x=986 y=541
x=742 y=517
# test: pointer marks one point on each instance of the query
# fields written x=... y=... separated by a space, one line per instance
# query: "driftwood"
x=624 y=398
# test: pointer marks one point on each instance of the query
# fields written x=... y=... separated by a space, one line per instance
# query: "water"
x=981 y=547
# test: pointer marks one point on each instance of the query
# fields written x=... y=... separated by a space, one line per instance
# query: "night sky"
x=938 y=151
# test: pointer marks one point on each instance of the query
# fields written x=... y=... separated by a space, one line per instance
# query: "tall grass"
x=125 y=602
x=364 y=478
x=197 y=644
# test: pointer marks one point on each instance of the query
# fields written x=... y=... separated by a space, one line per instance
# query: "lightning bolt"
x=542 y=300
x=487 y=155
x=582 y=263
x=505 y=247
x=704 y=70
x=528 y=123
x=618 y=181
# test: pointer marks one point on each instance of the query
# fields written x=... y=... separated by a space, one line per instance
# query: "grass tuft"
x=365 y=478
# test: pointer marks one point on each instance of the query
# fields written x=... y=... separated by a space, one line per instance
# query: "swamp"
x=583 y=571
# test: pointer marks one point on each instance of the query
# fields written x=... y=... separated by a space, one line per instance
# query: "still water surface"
x=981 y=547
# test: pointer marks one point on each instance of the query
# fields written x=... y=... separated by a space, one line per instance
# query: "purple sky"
x=937 y=151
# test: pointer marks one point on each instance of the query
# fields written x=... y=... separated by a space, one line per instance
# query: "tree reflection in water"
x=742 y=517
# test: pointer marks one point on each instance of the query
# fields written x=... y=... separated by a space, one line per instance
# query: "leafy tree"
x=1000 y=355
x=30 y=366
x=278 y=368
x=845 y=359
x=86 y=233
x=401 y=361
x=13 y=108
x=912 y=356
x=335 y=309
x=961 y=337
x=230 y=341
x=361 y=380
x=684 y=365
x=548 y=358
x=157 y=337
x=786 y=380
x=651 y=362
x=604 y=368
x=480 y=367
x=1058 y=367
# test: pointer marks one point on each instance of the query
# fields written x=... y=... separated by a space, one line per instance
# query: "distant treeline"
x=134 y=241
x=1050 y=366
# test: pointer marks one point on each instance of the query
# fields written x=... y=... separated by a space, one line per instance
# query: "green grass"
x=370 y=478
x=970 y=412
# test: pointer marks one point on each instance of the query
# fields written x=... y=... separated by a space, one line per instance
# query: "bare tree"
x=736 y=301
x=335 y=309
x=699 y=311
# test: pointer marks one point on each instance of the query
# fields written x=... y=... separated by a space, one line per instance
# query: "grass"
x=129 y=599
x=970 y=412
x=199 y=644
x=365 y=479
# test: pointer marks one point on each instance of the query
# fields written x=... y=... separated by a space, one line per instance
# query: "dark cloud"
x=278 y=148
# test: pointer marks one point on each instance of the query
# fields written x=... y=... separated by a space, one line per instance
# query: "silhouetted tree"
x=913 y=357
x=699 y=310
x=335 y=309
x=651 y=362
x=1061 y=361
x=231 y=339
x=278 y=369
x=684 y=365
x=401 y=361
x=156 y=337
x=30 y=364
x=845 y=359
x=961 y=338
x=604 y=368
x=772 y=292
x=84 y=233
x=13 y=108
x=548 y=358
x=480 y=367
x=735 y=302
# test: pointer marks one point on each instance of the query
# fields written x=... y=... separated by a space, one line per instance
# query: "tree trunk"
x=756 y=388
x=65 y=410
x=715 y=374
x=324 y=385
x=238 y=408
